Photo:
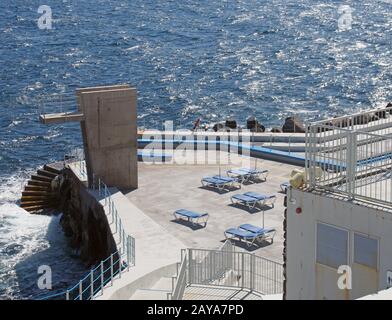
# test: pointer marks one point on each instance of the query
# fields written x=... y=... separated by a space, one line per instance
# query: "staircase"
x=37 y=194
x=158 y=291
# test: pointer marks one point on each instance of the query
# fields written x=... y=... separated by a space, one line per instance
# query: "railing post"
x=111 y=269
x=252 y=271
x=242 y=270
x=275 y=282
x=190 y=271
x=123 y=240
x=128 y=251
x=119 y=228
x=351 y=163
x=92 y=284
x=119 y=266
x=102 y=277
x=80 y=290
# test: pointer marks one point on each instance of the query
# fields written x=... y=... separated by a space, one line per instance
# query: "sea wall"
x=84 y=220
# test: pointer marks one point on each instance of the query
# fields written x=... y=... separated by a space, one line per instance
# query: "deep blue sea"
x=188 y=59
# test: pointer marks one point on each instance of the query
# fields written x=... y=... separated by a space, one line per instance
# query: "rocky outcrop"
x=276 y=130
x=253 y=125
x=231 y=123
x=293 y=124
x=84 y=221
x=389 y=105
x=218 y=126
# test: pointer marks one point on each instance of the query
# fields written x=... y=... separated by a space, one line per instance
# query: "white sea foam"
x=27 y=241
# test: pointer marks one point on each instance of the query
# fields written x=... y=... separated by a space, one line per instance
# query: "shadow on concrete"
x=243 y=245
x=254 y=210
x=254 y=181
x=216 y=190
x=189 y=224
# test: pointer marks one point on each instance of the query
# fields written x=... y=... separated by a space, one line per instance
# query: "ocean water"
x=188 y=59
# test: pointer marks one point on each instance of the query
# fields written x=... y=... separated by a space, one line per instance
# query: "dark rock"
x=218 y=126
x=381 y=114
x=389 y=106
x=374 y=117
x=231 y=123
x=259 y=128
x=276 y=130
x=253 y=125
x=362 y=119
x=293 y=124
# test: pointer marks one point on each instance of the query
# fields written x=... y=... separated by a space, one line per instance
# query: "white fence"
x=351 y=157
x=227 y=268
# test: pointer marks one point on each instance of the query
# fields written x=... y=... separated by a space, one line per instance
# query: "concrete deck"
x=219 y=293
x=163 y=188
x=155 y=248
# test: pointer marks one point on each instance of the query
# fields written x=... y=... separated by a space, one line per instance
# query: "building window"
x=365 y=250
x=332 y=246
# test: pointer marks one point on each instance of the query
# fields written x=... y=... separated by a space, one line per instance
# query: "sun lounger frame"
x=220 y=183
x=202 y=219
x=253 y=238
x=253 y=201
x=246 y=174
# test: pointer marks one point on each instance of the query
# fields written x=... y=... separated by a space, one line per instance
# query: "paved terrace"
x=163 y=188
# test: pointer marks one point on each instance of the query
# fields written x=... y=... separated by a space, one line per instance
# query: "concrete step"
x=37 y=188
x=149 y=294
x=32 y=209
x=37 y=198
x=38 y=177
x=158 y=291
x=45 y=193
x=32 y=203
x=46 y=173
x=164 y=283
x=38 y=183
x=51 y=169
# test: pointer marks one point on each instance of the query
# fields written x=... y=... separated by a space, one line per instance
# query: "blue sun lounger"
x=246 y=174
x=191 y=216
x=250 y=234
x=251 y=199
x=218 y=182
x=284 y=186
x=268 y=233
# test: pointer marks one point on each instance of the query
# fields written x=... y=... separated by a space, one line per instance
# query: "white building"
x=343 y=214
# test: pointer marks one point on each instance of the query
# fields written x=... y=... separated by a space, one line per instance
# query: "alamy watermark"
x=187 y=147
x=345 y=280
x=45 y=277
x=346 y=18
x=45 y=20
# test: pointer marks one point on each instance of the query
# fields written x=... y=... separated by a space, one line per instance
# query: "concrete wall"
x=110 y=134
x=307 y=279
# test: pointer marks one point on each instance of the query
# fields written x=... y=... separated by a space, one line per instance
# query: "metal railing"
x=179 y=282
x=354 y=160
x=113 y=266
x=226 y=267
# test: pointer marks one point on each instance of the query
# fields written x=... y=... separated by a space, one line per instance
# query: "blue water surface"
x=188 y=59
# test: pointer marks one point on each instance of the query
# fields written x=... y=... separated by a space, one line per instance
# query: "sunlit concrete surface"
x=163 y=188
x=155 y=249
x=219 y=293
